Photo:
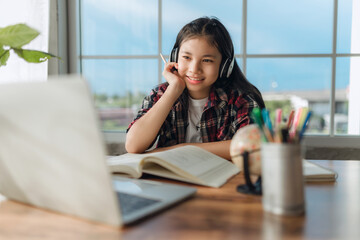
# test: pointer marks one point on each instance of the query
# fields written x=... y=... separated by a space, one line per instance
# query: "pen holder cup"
x=282 y=179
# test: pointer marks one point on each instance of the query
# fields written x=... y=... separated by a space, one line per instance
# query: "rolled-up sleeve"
x=146 y=105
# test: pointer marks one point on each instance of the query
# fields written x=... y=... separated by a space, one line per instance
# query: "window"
x=298 y=53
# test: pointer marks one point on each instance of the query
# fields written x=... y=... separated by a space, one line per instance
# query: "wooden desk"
x=332 y=212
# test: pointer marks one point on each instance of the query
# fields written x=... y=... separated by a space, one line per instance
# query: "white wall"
x=354 y=86
x=34 y=13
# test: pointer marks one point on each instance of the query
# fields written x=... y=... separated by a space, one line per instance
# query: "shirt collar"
x=216 y=96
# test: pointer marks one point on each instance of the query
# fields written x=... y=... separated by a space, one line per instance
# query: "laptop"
x=52 y=155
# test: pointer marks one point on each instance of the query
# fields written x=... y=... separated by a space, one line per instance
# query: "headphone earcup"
x=174 y=55
x=230 y=68
x=226 y=68
x=223 y=68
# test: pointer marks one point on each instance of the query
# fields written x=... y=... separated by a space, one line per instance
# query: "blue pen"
x=256 y=115
x=267 y=121
x=304 y=125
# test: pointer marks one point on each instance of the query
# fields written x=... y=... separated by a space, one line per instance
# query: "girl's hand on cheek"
x=173 y=78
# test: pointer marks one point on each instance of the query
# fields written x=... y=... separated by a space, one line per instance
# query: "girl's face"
x=199 y=64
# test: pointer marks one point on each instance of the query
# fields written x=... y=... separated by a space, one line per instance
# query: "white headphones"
x=227 y=67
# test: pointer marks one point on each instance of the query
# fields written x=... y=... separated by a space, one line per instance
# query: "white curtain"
x=354 y=86
x=34 y=13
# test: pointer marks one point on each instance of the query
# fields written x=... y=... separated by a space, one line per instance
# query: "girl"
x=205 y=100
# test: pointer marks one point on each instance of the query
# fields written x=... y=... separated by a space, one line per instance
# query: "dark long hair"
x=219 y=37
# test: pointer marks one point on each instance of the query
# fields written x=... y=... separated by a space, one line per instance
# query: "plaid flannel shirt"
x=224 y=113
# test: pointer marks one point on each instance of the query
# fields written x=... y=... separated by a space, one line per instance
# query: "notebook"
x=316 y=173
x=52 y=155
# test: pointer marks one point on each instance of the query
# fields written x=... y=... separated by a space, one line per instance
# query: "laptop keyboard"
x=130 y=203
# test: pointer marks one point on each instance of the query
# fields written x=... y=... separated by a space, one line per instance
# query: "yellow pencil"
x=162 y=57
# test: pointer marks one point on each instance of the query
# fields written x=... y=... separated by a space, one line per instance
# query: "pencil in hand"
x=162 y=57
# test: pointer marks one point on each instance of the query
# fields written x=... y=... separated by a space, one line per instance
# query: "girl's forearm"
x=221 y=148
x=144 y=131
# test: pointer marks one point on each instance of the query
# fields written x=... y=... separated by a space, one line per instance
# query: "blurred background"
x=298 y=53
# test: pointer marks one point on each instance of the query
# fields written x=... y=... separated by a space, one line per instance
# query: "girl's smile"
x=199 y=64
x=194 y=80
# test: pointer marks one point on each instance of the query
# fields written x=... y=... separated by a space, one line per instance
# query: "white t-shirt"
x=196 y=107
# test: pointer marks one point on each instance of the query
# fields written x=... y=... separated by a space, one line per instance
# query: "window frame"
x=328 y=140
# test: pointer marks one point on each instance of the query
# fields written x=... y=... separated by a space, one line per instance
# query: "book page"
x=219 y=176
x=193 y=163
x=188 y=163
x=127 y=163
x=157 y=170
x=193 y=160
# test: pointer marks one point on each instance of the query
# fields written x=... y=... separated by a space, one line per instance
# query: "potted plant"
x=13 y=38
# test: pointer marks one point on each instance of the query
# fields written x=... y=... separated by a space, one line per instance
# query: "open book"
x=315 y=173
x=189 y=164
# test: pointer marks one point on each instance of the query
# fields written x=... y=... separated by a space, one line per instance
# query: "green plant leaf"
x=4 y=56
x=17 y=35
x=33 y=56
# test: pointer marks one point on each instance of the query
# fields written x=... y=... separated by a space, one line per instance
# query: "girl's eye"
x=186 y=57
x=208 y=60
